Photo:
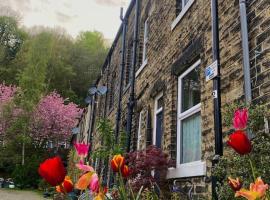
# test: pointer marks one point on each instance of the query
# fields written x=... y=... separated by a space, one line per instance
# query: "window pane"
x=145 y=39
x=159 y=129
x=185 y=2
x=139 y=131
x=191 y=90
x=160 y=103
x=191 y=139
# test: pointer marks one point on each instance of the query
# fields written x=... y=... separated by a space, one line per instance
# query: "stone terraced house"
x=173 y=103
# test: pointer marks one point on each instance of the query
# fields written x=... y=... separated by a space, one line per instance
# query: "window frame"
x=145 y=39
x=139 y=132
x=145 y=42
x=156 y=112
x=195 y=168
x=184 y=10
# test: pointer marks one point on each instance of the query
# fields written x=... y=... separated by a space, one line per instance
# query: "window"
x=139 y=135
x=145 y=40
x=143 y=59
x=189 y=125
x=158 y=121
x=182 y=6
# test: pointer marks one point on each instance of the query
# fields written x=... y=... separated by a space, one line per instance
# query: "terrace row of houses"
x=156 y=80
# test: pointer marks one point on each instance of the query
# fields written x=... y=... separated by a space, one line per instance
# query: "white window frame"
x=196 y=168
x=145 y=41
x=139 y=130
x=184 y=10
x=156 y=112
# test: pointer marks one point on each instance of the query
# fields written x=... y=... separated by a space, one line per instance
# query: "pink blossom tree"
x=6 y=95
x=54 y=119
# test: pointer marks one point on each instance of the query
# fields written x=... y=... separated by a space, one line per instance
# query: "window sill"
x=181 y=14
x=141 y=68
x=193 y=169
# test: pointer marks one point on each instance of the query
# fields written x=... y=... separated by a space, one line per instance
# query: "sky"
x=72 y=15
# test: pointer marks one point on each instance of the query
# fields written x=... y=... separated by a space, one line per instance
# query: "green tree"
x=11 y=42
x=88 y=55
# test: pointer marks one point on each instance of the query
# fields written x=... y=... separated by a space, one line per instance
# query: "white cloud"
x=112 y=2
x=73 y=15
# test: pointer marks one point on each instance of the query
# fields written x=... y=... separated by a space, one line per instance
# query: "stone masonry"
x=172 y=47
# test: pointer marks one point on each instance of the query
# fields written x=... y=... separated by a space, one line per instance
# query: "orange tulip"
x=125 y=171
x=117 y=162
x=256 y=191
x=66 y=186
x=235 y=183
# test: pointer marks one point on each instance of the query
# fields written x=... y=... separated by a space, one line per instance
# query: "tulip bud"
x=235 y=184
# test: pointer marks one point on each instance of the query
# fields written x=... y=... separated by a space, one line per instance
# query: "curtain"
x=191 y=139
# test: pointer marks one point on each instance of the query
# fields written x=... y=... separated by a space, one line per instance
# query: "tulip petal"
x=53 y=171
x=240 y=142
x=250 y=195
x=85 y=168
x=84 y=181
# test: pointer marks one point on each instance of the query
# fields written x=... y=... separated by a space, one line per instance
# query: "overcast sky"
x=73 y=15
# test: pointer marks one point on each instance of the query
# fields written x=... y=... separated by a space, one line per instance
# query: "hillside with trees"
x=44 y=78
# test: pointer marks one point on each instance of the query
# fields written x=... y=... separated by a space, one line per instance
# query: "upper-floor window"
x=182 y=6
x=143 y=46
x=145 y=40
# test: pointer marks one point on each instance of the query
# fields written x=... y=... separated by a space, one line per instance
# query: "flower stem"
x=252 y=169
x=122 y=186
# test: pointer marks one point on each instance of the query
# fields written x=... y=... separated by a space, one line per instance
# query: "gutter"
x=131 y=103
x=119 y=32
x=245 y=47
x=122 y=67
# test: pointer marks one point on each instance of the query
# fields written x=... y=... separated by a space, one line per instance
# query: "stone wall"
x=170 y=51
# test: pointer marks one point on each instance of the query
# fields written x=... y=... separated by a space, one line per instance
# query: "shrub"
x=26 y=176
x=144 y=163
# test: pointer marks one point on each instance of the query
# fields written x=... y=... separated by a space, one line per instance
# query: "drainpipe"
x=107 y=85
x=131 y=103
x=246 y=64
x=216 y=93
x=93 y=118
x=123 y=51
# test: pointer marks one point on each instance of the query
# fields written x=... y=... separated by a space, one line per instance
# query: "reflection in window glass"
x=191 y=88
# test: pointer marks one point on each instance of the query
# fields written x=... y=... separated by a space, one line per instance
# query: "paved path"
x=8 y=194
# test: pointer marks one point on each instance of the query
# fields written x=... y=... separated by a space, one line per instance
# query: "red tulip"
x=53 y=171
x=240 y=142
x=117 y=162
x=125 y=171
x=67 y=186
x=240 y=119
